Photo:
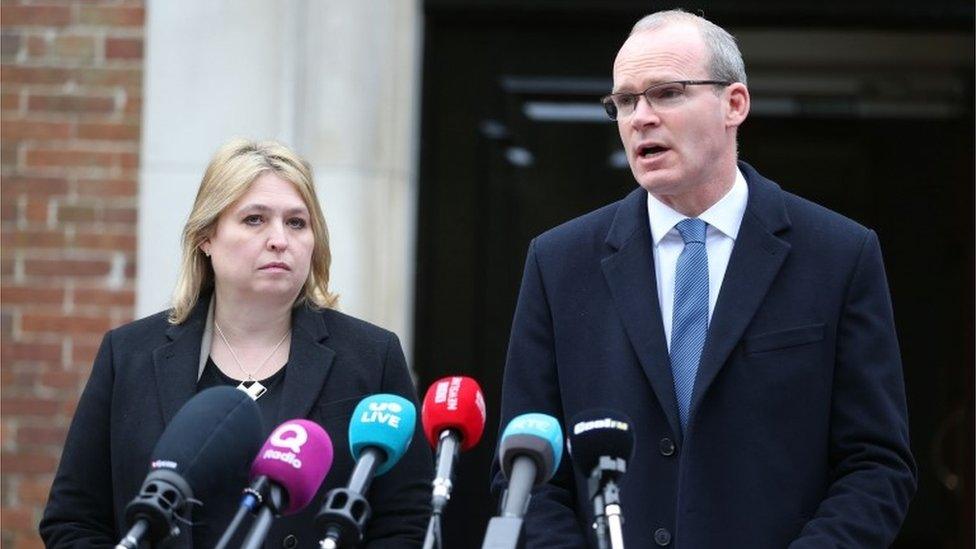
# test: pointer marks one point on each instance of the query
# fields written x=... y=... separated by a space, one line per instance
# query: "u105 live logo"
x=383 y=412
x=289 y=436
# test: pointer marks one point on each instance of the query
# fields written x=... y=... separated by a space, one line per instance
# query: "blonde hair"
x=228 y=176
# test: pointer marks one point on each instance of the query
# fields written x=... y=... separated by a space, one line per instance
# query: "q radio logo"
x=385 y=413
x=291 y=437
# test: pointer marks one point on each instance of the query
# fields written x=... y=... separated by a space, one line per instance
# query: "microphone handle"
x=505 y=530
x=447 y=452
x=614 y=513
x=259 y=530
x=599 y=521
x=433 y=538
x=235 y=523
x=253 y=497
x=262 y=524
x=615 y=521
x=363 y=472
x=524 y=472
x=134 y=535
x=502 y=533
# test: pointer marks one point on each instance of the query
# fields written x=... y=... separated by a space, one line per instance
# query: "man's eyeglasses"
x=663 y=95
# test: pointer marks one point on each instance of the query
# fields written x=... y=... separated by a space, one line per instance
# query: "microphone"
x=379 y=434
x=453 y=419
x=285 y=475
x=601 y=442
x=207 y=445
x=529 y=454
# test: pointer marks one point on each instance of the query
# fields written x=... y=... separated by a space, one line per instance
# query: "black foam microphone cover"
x=597 y=433
x=211 y=440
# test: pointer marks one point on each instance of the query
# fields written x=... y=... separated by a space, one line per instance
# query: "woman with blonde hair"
x=252 y=309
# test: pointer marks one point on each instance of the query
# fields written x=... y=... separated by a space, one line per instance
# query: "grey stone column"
x=338 y=81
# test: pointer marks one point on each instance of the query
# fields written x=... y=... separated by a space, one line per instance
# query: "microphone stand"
x=447 y=450
x=153 y=514
x=605 y=493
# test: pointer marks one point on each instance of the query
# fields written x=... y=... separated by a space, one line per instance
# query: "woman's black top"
x=206 y=534
x=267 y=403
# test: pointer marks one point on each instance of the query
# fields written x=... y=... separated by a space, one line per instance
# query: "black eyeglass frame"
x=611 y=107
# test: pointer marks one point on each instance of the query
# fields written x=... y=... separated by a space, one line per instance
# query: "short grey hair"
x=725 y=61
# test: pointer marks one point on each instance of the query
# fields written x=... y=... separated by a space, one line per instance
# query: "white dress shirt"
x=723 y=218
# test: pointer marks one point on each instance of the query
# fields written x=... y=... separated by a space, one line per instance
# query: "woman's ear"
x=205 y=247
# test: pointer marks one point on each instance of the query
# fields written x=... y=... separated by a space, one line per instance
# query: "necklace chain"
x=250 y=375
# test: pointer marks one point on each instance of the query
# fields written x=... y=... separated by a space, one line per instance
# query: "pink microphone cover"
x=296 y=456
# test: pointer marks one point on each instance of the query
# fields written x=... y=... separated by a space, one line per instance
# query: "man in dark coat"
x=747 y=332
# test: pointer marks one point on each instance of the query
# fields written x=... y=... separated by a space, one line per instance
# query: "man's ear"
x=737 y=97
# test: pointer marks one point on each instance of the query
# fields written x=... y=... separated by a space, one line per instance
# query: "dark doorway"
x=867 y=111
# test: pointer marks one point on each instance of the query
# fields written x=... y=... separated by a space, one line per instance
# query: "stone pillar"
x=338 y=81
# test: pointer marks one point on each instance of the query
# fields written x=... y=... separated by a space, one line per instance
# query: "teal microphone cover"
x=383 y=421
x=537 y=435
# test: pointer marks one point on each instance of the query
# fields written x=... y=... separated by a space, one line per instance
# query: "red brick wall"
x=71 y=86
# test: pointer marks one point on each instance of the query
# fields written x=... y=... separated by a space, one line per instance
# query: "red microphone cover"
x=456 y=403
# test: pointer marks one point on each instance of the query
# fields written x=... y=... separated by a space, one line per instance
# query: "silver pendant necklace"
x=252 y=387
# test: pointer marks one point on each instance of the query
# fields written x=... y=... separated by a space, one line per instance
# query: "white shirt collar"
x=725 y=215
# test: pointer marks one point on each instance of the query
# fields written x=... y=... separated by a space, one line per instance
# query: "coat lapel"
x=756 y=258
x=309 y=362
x=629 y=272
x=175 y=364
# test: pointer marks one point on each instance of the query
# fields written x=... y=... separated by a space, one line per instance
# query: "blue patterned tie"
x=690 y=321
